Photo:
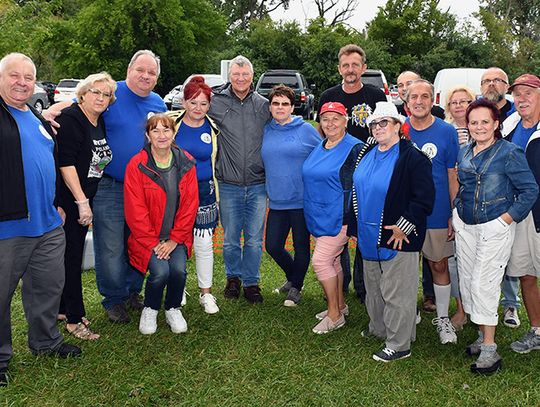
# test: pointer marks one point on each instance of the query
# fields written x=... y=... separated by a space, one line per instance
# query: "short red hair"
x=195 y=87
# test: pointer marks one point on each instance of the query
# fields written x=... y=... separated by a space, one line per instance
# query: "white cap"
x=385 y=109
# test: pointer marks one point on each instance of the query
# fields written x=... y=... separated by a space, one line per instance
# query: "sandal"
x=82 y=331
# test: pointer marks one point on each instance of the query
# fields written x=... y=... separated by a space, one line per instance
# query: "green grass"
x=261 y=356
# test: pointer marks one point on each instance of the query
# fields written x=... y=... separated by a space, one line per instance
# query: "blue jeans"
x=170 y=273
x=510 y=292
x=278 y=225
x=242 y=209
x=115 y=277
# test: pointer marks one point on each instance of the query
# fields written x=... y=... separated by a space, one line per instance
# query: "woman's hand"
x=164 y=249
x=507 y=218
x=397 y=237
x=85 y=213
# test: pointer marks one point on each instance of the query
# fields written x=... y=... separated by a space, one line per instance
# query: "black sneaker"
x=4 y=380
x=253 y=294
x=135 y=302
x=389 y=355
x=232 y=289
x=64 y=350
x=118 y=314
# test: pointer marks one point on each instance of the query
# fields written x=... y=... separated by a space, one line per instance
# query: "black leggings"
x=278 y=225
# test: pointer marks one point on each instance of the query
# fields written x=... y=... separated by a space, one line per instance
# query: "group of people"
x=154 y=185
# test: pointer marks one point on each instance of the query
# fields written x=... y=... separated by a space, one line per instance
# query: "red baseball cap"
x=335 y=107
x=527 y=79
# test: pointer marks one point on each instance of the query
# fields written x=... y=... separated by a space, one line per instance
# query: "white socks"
x=442 y=299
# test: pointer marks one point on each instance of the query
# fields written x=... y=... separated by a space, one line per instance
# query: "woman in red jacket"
x=160 y=202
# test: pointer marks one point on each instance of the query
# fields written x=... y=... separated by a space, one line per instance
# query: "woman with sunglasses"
x=393 y=193
x=83 y=154
x=287 y=142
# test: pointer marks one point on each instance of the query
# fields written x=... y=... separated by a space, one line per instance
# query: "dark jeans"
x=170 y=273
x=71 y=303
x=358 y=273
x=427 y=279
x=277 y=229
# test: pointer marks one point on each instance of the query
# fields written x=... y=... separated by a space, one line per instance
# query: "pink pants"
x=325 y=260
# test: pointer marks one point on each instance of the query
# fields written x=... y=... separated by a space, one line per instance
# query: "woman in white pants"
x=496 y=190
x=196 y=133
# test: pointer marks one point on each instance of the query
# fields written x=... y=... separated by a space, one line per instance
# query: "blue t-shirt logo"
x=430 y=150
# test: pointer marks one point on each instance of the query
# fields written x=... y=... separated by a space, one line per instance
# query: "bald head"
x=17 y=80
x=404 y=80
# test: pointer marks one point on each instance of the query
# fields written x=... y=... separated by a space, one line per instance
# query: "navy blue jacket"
x=409 y=200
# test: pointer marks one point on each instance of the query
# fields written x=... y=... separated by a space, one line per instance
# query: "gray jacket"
x=241 y=123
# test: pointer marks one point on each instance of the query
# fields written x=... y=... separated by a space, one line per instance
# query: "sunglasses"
x=381 y=123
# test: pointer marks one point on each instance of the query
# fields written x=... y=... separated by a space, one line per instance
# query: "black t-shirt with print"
x=359 y=106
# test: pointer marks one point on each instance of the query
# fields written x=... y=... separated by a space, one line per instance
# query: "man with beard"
x=494 y=85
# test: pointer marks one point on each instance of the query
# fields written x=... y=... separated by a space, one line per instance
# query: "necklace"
x=92 y=119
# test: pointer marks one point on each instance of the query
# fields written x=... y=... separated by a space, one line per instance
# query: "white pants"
x=482 y=254
x=204 y=258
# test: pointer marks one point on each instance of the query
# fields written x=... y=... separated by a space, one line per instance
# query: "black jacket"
x=13 y=204
x=409 y=200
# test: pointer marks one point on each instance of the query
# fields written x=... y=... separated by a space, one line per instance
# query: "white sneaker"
x=511 y=318
x=208 y=302
x=447 y=332
x=176 y=320
x=148 y=321
x=184 y=298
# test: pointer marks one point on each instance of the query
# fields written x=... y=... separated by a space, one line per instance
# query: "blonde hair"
x=86 y=84
x=461 y=88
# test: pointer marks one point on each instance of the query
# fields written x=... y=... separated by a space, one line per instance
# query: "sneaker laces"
x=530 y=338
x=389 y=352
x=443 y=325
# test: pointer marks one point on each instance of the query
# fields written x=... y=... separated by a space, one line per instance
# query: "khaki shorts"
x=436 y=247
x=525 y=257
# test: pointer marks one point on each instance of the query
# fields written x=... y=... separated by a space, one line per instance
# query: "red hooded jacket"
x=144 y=205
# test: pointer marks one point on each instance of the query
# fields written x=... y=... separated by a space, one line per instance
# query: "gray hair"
x=424 y=81
x=15 y=55
x=145 y=52
x=86 y=84
x=240 y=60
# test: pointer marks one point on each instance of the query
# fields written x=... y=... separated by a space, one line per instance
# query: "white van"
x=448 y=78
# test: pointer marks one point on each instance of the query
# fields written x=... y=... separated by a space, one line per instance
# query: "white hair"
x=15 y=55
x=145 y=52
x=240 y=60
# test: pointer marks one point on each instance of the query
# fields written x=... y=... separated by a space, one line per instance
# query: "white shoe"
x=447 y=332
x=176 y=320
x=208 y=302
x=148 y=321
x=511 y=318
x=184 y=298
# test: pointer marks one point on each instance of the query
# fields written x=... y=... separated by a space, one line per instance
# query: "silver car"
x=39 y=99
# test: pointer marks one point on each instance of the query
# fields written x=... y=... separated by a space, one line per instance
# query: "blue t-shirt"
x=522 y=135
x=284 y=150
x=371 y=181
x=439 y=143
x=198 y=142
x=39 y=177
x=125 y=121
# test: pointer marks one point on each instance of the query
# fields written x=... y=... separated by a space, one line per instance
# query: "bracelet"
x=84 y=201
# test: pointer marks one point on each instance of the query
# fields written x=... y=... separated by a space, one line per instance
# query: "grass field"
x=261 y=356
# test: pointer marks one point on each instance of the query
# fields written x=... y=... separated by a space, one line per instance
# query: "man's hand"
x=62 y=214
x=450 y=235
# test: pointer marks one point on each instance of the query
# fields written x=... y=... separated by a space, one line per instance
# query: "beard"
x=493 y=96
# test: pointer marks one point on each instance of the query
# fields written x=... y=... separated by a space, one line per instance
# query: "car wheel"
x=38 y=106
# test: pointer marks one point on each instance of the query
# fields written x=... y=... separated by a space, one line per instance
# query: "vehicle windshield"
x=375 y=80
x=268 y=82
x=70 y=83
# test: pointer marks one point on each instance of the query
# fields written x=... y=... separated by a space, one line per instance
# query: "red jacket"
x=144 y=205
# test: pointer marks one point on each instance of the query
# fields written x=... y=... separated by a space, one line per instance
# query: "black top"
x=82 y=145
x=436 y=111
x=359 y=106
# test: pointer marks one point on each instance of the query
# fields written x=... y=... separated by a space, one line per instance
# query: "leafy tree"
x=240 y=13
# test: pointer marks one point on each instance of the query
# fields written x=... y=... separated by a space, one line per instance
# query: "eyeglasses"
x=463 y=102
x=284 y=104
x=496 y=81
x=98 y=92
x=381 y=123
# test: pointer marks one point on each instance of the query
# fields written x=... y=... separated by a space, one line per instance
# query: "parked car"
x=172 y=93
x=49 y=88
x=448 y=78
x=39 y=100
x=212 y=80
x=304 y=102
x=375 y=77
x=65 y=90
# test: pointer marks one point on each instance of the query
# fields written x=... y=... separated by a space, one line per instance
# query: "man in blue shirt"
x=32 y=240
x=438 y=140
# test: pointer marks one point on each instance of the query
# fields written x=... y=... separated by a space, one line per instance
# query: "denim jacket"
x=493 y=182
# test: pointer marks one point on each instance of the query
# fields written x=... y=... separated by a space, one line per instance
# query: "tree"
x=340 y=13
x=241 y=13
